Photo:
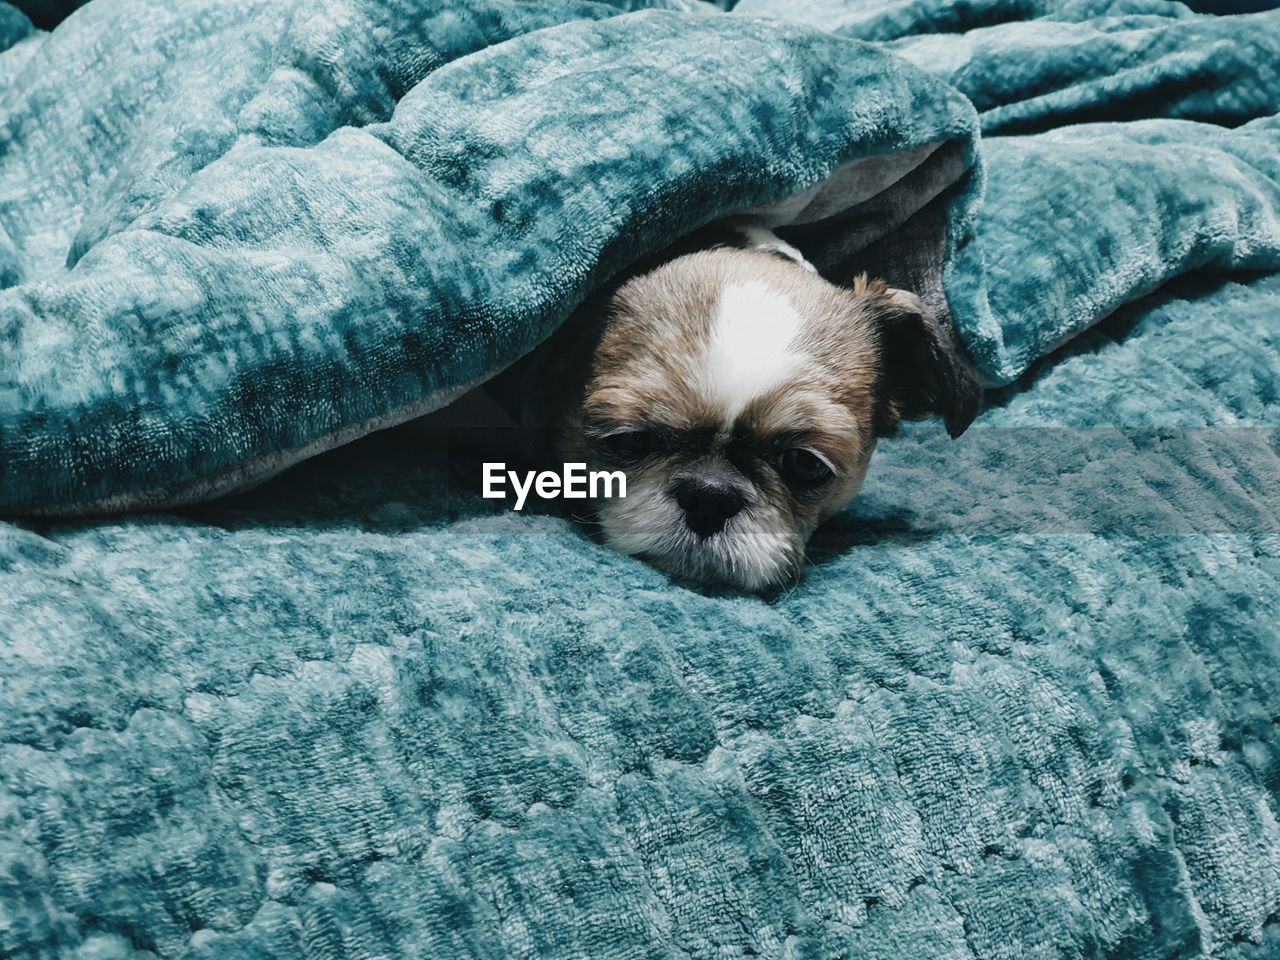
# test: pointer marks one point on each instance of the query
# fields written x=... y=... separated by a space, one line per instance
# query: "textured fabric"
x=14 y=26
x=1097 y=215
x=1024 y=705
x=237 y=233
x=1011 y=712
x=233 y=235
x=1029 y=76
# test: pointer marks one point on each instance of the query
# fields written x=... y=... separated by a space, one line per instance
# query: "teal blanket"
x=237 y=234
x=233 y=235
x=1025 y=704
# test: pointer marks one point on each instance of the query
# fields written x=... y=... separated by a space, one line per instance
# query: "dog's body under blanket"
x=1025 y=704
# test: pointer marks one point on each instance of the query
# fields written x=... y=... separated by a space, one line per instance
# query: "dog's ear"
x=922 y=369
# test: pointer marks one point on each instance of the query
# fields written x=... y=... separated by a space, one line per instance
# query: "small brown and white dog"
x=742 y=394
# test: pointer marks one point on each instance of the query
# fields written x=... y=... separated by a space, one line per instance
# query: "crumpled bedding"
x=235 y=235
x=1024 y=704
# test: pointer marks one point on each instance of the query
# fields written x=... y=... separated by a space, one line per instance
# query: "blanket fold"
x=1080 y=220
x=235 y=235
x=346 y=233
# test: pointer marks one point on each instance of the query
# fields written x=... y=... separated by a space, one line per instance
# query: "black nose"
x=707 y=504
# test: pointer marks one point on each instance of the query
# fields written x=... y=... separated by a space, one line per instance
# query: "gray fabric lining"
x=898 y=235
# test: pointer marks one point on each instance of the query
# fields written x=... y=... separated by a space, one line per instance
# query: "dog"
x=742 y=394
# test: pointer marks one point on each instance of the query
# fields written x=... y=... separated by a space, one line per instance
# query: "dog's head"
x=742 y=395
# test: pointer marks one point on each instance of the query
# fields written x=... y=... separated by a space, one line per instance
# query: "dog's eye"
x=629 y=445
x=803 y=468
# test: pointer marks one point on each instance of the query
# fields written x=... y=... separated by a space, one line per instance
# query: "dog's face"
x=742 y=395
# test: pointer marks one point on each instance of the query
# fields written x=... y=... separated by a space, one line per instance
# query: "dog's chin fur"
x=758 y=550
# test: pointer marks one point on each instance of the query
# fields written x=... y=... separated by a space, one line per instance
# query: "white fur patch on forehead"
x=751 y=348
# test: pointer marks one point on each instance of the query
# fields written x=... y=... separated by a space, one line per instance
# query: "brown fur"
x=656 y=327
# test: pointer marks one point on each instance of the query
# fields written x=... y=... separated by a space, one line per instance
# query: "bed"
x=275 y=681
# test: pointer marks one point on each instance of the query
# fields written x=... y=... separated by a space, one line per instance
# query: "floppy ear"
x=922 y=369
